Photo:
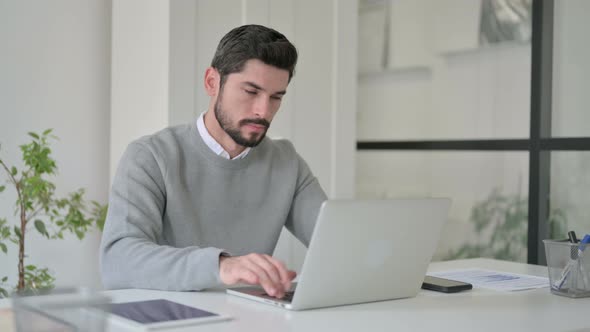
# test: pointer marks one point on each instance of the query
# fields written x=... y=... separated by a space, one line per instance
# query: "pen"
x=571 y=265
x=584 y=242
x=572 y=237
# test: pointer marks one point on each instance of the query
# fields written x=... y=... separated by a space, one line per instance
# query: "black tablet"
x=157 y=314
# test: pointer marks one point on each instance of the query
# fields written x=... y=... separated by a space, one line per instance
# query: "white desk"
x=475 y=310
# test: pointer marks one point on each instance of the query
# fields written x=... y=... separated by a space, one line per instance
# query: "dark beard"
x=235 y=133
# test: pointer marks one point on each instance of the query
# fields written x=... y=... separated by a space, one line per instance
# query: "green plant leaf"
x=47 y=132
x=34 y=135
x=2 y=188
x=38 y=278
x=3 y=292
x=17 y=232
x=40 y=226
x=13 y=171
x=100 y=214
x=4 y=279
x=4 y=248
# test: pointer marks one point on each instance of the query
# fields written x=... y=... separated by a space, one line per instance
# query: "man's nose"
x=262 y=107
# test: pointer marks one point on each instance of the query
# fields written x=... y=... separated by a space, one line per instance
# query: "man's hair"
x=253 y=42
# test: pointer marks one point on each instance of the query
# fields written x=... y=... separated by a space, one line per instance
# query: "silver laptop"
x=364 y=251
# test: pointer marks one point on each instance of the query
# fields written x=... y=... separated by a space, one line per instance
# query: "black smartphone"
x=444 y=285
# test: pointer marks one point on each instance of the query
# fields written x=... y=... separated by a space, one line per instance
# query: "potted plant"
x=38 y=208
x=500 y=223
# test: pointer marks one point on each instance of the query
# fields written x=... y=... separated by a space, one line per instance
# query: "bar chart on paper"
x=494 y=280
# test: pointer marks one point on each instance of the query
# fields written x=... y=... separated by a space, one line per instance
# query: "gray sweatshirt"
x=175 y=206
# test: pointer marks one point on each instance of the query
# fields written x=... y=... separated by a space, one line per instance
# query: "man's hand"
x=257 y=269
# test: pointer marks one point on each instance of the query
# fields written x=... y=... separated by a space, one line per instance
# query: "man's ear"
x=212 y=81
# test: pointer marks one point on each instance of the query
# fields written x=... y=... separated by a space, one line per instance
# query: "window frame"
x=539 y=144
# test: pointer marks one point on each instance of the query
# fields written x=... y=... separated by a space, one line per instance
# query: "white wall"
x=184 y=80
x=140 y=72
x=55 y=73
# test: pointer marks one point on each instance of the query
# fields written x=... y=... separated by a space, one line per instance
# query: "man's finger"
x=263 y=278
x=271 y=270
x=283 y=272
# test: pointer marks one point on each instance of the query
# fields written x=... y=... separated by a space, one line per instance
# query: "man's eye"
x=276 y=97
x=250 y=92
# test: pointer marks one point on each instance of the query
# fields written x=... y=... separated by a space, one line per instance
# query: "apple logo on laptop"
x=377 y=252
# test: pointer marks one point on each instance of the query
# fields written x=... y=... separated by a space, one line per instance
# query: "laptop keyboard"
x=288 y=296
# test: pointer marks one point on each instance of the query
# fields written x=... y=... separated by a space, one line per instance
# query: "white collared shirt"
x=212 y=143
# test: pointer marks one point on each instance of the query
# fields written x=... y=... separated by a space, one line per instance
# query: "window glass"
x=488 y=216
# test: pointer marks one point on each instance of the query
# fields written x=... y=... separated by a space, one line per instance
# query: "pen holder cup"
x=569 y=268
x=68 y=310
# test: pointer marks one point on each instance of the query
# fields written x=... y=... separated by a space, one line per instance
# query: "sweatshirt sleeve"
x=307 y=200
x=131 y=253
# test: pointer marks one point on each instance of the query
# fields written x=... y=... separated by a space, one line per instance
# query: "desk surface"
x=475 y=310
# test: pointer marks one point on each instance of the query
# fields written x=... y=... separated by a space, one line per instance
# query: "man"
x=202 y=205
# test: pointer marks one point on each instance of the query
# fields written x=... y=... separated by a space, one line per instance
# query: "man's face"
x=249 y=100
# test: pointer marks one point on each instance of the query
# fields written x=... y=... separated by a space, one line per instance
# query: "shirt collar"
x=212 y=143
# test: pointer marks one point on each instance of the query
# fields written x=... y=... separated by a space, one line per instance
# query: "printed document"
x=495 y=280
